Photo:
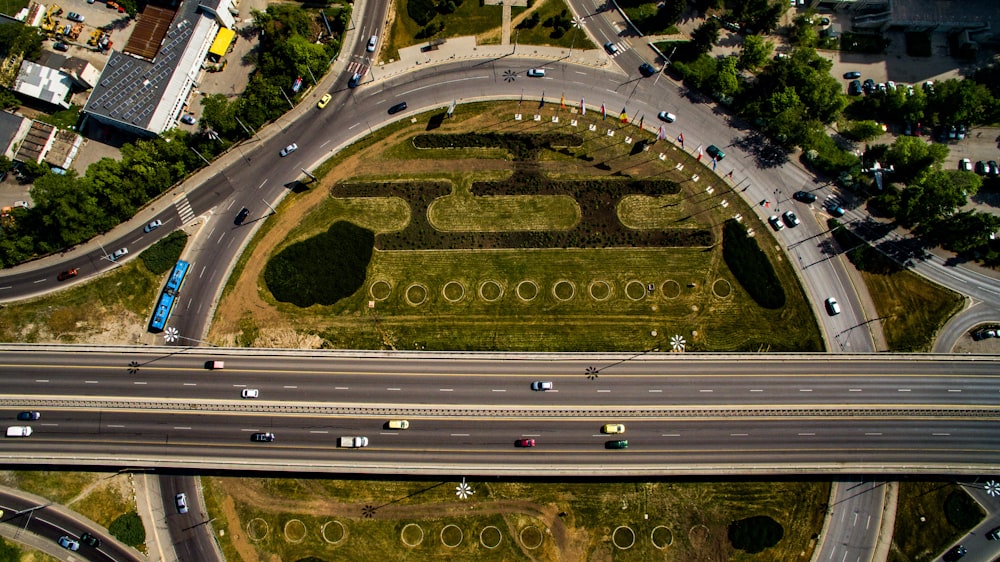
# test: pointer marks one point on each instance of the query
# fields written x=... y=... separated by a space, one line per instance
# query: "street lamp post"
x=170 y=335
x=577 y=24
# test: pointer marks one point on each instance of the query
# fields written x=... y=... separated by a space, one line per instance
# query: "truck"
x=346 y=442
x=24 y=431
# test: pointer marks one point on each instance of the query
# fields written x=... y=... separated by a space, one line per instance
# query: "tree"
x=68 y=212
x=910 y=156
x=803 y=33
x=755 y=52
x=965 y=231
x=961 y=101
x=725 y=81
x=861 y=130
x=705 y=36
x=932 y=197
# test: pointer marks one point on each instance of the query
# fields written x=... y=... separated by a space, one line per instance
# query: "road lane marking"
x=261 y=184
x=181 y=427
x=318 y=431
x=941 y=434
x=89 y=382
x=190 y=384
x=902 y=390
x=340 y=388
x=806 y=434
x=868 y=523
x=499 y=390
x=139 y=382
x=706 y=390
x=805 y=390
x=531 y=435
x=954 y=390
x=446 y=389
x=756 y=390
x=41 y=380
x=854 y=390
x=874 y=434
x=855 y=522
x=290 y=386
x=603 y=390
x=459 y=434
x=240 y=385
x=115 y=425
x=655 y=390
x=670 y=435
x=392 y=389
x=739 y=434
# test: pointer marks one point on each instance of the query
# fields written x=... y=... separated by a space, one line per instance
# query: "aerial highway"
x=684 y=414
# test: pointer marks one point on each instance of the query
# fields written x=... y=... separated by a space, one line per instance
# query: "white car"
x=791 y=219
x=153 y=225
x=536 y=72
x=21 y=204
x=832 y=306
x=965 y=165
x=250 y=393
x=372 y=42
x=541 y=385
x=775 y=222
x=667 y=116
x=289 y=149
x=611 y=48
x=119 y=253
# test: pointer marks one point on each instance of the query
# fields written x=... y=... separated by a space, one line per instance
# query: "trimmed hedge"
x=598 y=227
x=750 y=266
x=521 y=146
x=322 y=269
x=755 y=534
x=162 y=256
x=128 y=529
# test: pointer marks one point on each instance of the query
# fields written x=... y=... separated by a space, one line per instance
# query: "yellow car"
x=399 y=424
x=613 y=428
x=323 y=101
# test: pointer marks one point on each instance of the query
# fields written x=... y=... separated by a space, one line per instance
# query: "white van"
x=18 y=431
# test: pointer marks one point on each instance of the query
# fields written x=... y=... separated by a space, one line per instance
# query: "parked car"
x=978 y=335
x=90 y=540
x=854 y=88
x=868 y=86
x=775 y=222
x=68 y=274
x=401 y=106
x=981 y=168
x=962 y=131
x=908 y=128
x=189 y=119
x=852 y=75
x=611 y=48
x=524 y=443
x=993 y=535
x=68 y=543
x=60 y=46
x=929 y=86
x=965 y=165
x=541 y=385
x=323 y=101
x=73 y=16
x=667 y=116
x=29 y=416
x=372 y=42
x=804 y=196
x=250 y=393
x=646 y=69
x=119 y=253
x=832 y=306
x=791 y=219
x=262 y=437
x=241 y=216
x=992 y=168
x=536 y=72
x=288 y=149
x=715 y=153
x=153 y=225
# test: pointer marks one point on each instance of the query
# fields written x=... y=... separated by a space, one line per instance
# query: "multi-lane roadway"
x=133 y=407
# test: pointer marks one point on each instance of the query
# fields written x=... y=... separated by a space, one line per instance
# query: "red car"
x=67 y=274
x=524 y=443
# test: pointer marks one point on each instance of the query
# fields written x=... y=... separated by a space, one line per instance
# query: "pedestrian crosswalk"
x=620 y=47
x=184 y=209
x=357 y=67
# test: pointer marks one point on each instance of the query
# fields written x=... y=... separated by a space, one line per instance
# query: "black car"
x=355 y=79
x=60 y=46
x=852 y=75
x=956 y=553
x=992 y=169
x=855 y=88
x=646 y=69
x=397 y=108
x=834 y=209
x=262 y=437
x=29 y=416
x=804 y=196
x=241 y=216
x=90 y=540
x=868 y=86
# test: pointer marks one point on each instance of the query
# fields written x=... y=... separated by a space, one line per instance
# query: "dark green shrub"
x=962 y=511
x=162 y=256
x=128 y=529
x=421 y=11
x=322 y=269
x=754 y=534
x=751 y=267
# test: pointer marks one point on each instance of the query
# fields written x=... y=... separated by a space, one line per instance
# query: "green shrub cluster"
x=751 y=267
x=962 y=511
x=598 y=227
x=754 y=534
x=322 y=269
x=162 y=256
x=128 y=529
x=520 y=146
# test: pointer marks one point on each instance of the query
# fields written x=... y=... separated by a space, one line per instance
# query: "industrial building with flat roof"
x=144 y=87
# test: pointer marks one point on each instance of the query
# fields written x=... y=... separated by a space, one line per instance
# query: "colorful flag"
x=604 y=112
x=680 y=139
x=731 y=174
x=661 y=134
x=583 y=107
x=562 y=102
x=623 y=116
x=714 y=163
x=641 y=120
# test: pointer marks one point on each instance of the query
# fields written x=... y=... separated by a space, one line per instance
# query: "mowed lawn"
x=293 y=519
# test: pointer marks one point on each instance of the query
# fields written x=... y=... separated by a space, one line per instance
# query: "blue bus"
x=169 y=296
